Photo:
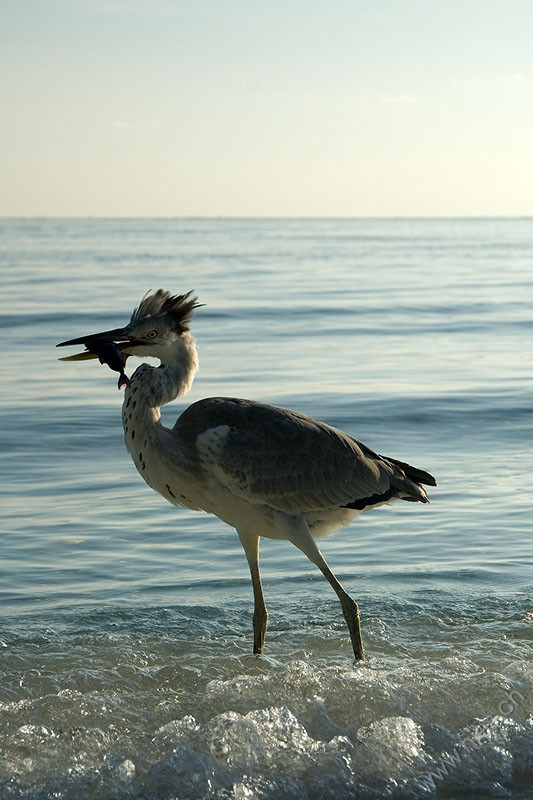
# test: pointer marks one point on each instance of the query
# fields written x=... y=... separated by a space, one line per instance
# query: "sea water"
x=125 y=642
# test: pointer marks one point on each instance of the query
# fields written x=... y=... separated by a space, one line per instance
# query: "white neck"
x=153 y=387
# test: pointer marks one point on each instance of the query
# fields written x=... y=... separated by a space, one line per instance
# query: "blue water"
x=125 y=666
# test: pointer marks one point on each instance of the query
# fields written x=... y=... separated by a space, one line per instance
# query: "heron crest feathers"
x=178 y=307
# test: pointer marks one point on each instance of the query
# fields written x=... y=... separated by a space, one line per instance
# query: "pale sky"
x=284 y=107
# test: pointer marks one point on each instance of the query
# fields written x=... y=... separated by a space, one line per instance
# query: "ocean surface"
x=125 y=641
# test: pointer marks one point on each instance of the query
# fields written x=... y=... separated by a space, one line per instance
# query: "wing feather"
x=284 y=459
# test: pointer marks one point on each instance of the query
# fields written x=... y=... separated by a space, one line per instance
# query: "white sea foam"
x=132 y=723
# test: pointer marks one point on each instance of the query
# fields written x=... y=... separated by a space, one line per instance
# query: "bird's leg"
x=260 y=617
x=297 y=531
x=250 y=542
x=349 y=609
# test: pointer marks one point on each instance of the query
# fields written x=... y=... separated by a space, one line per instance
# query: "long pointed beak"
x=109 y=347
x=117 y=335
x=78 y=356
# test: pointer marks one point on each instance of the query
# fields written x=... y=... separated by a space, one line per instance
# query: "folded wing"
x=292 y=462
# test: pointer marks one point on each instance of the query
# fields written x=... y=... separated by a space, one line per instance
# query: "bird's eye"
x=151 y=334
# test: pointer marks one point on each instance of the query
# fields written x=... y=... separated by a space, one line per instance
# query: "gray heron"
x=265 y=471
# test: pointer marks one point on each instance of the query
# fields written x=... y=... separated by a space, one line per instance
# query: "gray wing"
x=288 y=460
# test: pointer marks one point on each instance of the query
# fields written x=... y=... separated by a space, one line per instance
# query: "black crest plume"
x=161 y=303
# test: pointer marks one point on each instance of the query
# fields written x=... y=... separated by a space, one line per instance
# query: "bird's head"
x=155 y=328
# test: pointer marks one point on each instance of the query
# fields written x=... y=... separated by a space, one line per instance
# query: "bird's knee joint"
x=349 y=605
x=260 y=617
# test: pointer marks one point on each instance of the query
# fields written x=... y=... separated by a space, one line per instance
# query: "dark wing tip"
x=365 y=502
x=413 y=473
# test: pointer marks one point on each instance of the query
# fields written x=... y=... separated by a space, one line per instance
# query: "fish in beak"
x=108 y=347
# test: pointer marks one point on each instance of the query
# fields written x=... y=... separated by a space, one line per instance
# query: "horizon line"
x=233 y=217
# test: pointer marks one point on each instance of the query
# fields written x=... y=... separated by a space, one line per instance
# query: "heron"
x=266 y=471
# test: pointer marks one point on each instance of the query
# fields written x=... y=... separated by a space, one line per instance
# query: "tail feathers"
x=418 y=495
x=413 y=473
x=406 y=480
